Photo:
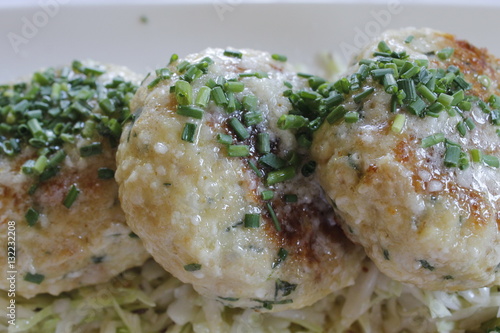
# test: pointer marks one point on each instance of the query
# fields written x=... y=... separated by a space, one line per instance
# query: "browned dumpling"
x=59 y=208
x=216 y=203
x=416 y=177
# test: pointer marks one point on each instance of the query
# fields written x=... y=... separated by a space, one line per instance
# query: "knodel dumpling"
x=410 y=158
x=59 y=136
x=216 y=185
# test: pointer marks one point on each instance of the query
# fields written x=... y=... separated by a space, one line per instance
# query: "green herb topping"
x=55 y=108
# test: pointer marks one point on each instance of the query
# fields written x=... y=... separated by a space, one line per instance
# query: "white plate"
x=143 y=36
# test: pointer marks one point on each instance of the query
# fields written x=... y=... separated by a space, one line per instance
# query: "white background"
x=115 y=31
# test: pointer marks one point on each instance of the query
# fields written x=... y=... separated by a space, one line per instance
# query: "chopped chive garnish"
x=225 y=139
x=274 y=218
x=351 y=117
x=188 y=133
x=190 y=111
x=445 y=53
x=290 y=121
x=192 y=267
x=308 y=168
x=229 y=299
x=398 y=123
x=252 y=220
x=234 y=86
x=476 y=155
x=425 y=264
x=90 y=150
x=308 y=95
x=336 y=115
x=59 y=107
x=363 y=71
x=436 y=108
x=71 y=196
x=426 y=93
x=484 y=80
x=383 y=47
x=379 y=73
x=452 y=155
x=447 y=79
x=218 y=96
x=495 y=117
x=253 y=117
x=315 y=82
x=164 y=73
x=88 y=129
x=332 y=100
x=432 y=140
x=259 y=75
x=417 y=106
x=267 y=195
x=484 y=107
x=255 y=169
x=291 y=198
x=34 y=127
x=282 y=255
x=31 y=216
x=183 y=92
x=409 y=39
x=234 y=54
x=394 y=104
x=445 y=99
x=279 y=57
x=463 y=162
x=470 y=123
x=105 y=173
x=34 y=278
x=461 y=128
x=408 y=87
x=304 y=140
x=250 y=102
x=273 y=161
x=304 y=75
x=93 y=71
x=231 y=102
x=183 y=66
x=40 y=164
x=173 y=58
x=263 y=143
x=192 y=73
x=238 y=150
x=390 y=84
x=491 y=160
x=411 y=72
x=460 y=81
x=458 y=97
x=240 y=130
x=203 y=97
x=281 y=175
x=155 y=82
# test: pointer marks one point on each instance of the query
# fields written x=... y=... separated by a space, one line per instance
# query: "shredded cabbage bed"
x=147 y=299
